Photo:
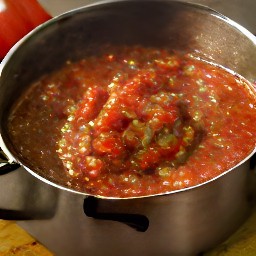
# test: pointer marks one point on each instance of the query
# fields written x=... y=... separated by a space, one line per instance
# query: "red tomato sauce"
x=136 y=121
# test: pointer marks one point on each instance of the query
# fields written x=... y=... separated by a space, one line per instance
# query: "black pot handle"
x=137 y=221
x=5 y=166
x=253 y=162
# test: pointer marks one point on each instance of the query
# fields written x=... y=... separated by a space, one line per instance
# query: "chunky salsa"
x=136 y=121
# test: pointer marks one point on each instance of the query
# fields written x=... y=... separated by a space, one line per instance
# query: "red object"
x=135 y=121
x=17 y=18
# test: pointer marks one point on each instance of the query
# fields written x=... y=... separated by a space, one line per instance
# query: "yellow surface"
x=15 y=241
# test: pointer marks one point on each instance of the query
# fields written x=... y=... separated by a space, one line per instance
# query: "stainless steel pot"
x=186 y=222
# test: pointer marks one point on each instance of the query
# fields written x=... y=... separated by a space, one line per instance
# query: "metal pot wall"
x=183 y=223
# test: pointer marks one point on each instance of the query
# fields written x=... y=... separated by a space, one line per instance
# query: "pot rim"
x=7 y=58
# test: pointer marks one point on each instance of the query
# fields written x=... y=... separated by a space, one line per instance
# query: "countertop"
x=16 y=241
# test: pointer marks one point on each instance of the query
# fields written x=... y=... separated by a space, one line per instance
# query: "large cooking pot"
x=184 y=222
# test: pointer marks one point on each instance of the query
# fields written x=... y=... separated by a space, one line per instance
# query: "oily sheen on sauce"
x=135 y=121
